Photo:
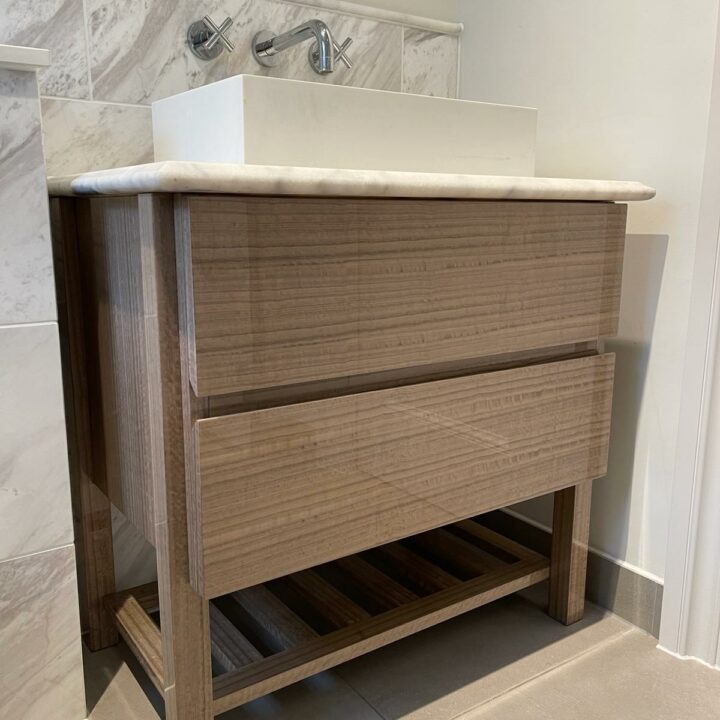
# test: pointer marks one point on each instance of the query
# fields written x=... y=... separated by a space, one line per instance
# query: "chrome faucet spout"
x=265 y=47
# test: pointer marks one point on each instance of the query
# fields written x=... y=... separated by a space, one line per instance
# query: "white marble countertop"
x=192 y=177
x=16 y=57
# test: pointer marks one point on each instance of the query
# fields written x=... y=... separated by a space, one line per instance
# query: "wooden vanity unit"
x=306 y=404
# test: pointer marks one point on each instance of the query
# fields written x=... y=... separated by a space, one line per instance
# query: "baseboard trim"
x=632 y=595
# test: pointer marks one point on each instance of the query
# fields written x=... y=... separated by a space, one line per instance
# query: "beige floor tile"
x=323 y=697
x=625 y=679
x=443 y=672
x=113 y=692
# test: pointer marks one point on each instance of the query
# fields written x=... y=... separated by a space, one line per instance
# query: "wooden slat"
x=280 y=670
x=292 y=290
x=141 y=635
x=280 y=626
x=455 y=553
x=292 y=487
x=332 y=604
x=230 y=648
x=415 y=568
x=484 y=534
x=381 y=588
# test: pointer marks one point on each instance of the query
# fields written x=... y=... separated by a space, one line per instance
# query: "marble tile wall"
x=35 y=510
x=112 y=58
x=27 y=293
x=40 y=662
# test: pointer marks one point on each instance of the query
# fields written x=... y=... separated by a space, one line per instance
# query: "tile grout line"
x=355 y=691
x=86 y=30
x=402 y=58
x=499 y=697
x=38 y=552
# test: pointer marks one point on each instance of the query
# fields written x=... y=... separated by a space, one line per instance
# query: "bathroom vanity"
x=304 y=387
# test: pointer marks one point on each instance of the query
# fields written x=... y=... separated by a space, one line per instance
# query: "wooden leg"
x=91 y=507
x=96 y=569
x=568 y=563
x=184 y=619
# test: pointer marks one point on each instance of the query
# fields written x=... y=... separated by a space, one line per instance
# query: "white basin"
x=257 y=120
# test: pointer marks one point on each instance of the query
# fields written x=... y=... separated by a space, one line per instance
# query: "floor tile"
x=323 y=697
x=442 y=672
x=113 y=691
x=625 y=679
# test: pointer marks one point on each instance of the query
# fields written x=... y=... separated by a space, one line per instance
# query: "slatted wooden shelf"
x=269 y=636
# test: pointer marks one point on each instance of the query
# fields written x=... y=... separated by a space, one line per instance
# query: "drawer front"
x=282 y=291
x=286 y=488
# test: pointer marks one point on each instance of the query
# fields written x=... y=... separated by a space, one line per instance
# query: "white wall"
x=623 y=89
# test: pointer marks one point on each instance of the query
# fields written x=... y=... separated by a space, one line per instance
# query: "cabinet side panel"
x=121 y=346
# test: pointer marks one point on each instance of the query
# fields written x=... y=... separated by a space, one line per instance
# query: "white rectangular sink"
x=256 y=120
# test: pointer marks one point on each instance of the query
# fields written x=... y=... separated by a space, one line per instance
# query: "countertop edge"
x=186 y=177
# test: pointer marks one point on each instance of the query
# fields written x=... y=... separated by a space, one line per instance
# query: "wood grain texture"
x=279 y=626
x=458 y=555
x=383 y=590
x=568 y=569
x=490 y=537
x=291 y=290
x=119 y=300
x=230 y=648
x=141 y=635
x=417 y=570
x=287 y=488
x=327 y=600
x=91 y=507
x=334 y=387
x=184 y=615
x=278 y=671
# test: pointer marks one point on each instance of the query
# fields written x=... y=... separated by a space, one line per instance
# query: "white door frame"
x=690 y=625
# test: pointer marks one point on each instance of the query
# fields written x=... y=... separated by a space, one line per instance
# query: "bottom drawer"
x=287 y=488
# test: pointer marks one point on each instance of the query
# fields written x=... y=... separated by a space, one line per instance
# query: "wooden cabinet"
x=306 y=404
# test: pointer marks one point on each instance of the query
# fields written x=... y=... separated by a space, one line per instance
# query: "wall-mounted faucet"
x=207 y=40
x=323 y=54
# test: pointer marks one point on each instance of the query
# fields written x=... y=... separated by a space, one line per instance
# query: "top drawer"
x=289 y=290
